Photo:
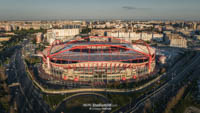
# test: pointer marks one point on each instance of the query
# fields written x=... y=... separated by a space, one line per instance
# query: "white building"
x=38 y=37
x=61 y=34
x=177 y=41
x=133 y=36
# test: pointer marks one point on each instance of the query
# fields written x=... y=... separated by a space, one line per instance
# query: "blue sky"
x=99 y=9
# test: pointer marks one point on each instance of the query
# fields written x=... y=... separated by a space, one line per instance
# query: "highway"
x=28 y=98
x=180 y=76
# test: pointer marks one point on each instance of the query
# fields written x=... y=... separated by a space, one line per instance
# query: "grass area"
x=76 y=105
x=72 y=105
x=122 y=99
x=189 y=99
x=54 y=100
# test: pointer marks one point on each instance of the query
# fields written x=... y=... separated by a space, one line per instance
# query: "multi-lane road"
x=181 y=73
x=28 y=98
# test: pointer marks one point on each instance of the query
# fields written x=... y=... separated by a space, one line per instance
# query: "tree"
x=162 y=70
x=174 y=100
x=86 y=30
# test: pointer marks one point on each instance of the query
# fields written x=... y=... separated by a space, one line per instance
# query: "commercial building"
x=104 y=32
x=61 y=34
x=38 y=37
x=177 y=41
x=133 y=36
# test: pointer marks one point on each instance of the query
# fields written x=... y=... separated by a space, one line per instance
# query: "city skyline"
x=81 y=56
x=96 y=9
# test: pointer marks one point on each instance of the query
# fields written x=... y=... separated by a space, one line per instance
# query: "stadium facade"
x=98 y=59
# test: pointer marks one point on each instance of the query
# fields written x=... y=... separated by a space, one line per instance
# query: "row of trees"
x=4 y=91
x=5 y=53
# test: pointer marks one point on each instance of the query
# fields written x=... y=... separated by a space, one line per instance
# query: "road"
x=178 y=77
x=28 y=98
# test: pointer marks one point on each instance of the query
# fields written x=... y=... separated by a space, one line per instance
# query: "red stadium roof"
x=99 y=49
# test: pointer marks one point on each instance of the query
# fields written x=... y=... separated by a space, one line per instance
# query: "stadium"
x=96 y=59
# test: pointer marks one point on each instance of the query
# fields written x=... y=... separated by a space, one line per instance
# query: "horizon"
x=99 y=10
x=186 y=20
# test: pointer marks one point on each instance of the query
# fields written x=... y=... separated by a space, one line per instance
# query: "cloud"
x=133 y=8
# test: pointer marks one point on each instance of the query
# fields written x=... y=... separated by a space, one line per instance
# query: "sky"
x=99 y=9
